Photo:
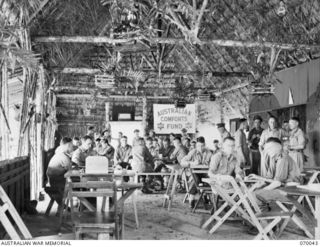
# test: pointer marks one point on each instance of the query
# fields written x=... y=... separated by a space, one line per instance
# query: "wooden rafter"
x=173 y=41
x=90 y=71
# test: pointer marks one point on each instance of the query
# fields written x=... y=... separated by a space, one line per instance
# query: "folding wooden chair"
x=311 y=176
x=285 y=215
x=221 y=187
x=7 y=208
x=244 y=204
x=14 y=225
x=100 y=222
x=202 y=188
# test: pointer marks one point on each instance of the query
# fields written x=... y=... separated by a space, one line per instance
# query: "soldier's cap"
x=136 y=130
x=257 y=117
x=221 y=125
x=184 y=130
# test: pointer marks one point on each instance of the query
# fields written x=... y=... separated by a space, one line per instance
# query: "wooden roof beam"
x=91 y=71
x=70 y=95
x=172 y=41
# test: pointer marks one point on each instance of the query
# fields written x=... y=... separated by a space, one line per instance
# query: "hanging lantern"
x=281 y=10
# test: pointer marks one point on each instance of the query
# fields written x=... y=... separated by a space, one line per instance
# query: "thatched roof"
x=201 y=44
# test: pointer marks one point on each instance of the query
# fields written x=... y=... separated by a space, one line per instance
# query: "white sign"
x=169 y=119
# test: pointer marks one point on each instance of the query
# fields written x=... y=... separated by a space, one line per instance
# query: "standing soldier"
x=271 y=131
x=297 y=142
x=223 y=132
x=254 y=139
x=243 y=152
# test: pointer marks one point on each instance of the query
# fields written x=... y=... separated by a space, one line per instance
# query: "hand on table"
x=194 y=163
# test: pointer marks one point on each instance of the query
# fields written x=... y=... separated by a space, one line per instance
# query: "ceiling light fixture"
x=282 y=9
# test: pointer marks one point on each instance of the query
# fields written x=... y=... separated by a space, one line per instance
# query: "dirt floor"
x=157 y=222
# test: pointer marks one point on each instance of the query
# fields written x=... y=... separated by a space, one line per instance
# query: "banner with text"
x=168 y=119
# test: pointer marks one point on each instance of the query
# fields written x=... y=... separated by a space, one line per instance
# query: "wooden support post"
x=40 y=128
x=4 y=125
x=144 y=116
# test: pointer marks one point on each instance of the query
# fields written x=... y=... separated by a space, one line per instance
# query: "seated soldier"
x=186 y=143
x=152 y=149
x=97 y=143
x=76 y=143
x=155 y=144
x=281 y=170
x=166 y=149
x=224 y=162
x=199 y=156
x=106 y=150
x=123 y=153
x=59 y=164
x=179 y=151
x=216 y=146
x=142 y=161
x=192 y=145
x=79 y=156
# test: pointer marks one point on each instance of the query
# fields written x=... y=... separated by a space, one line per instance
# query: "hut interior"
x=67 y=65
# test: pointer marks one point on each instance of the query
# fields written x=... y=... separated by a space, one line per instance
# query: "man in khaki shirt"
x=179 y=151
x=59 y=164
x=224 y=162
x=297 y=142
x=281 y=170
x=198 y=156
x=223 y=132
x=242 y=149
x=79 y=156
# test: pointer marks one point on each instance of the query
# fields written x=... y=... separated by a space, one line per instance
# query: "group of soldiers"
x=250 y=148
x=274 y=155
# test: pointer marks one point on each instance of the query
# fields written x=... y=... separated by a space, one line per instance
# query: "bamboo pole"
x=39 y=133
x=90 y=71
x=5 y=129
x=173 y=41
x=144 y=116
x=129 y=97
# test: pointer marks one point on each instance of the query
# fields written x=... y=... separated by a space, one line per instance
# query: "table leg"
x=64 y=206
x=317 y=216
x=173 y=190
x=169 y=186
x=135 y=208
x=185 y=179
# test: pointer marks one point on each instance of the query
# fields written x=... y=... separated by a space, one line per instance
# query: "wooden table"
x=296 y=191
x=127 y=187
x=172 y=184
